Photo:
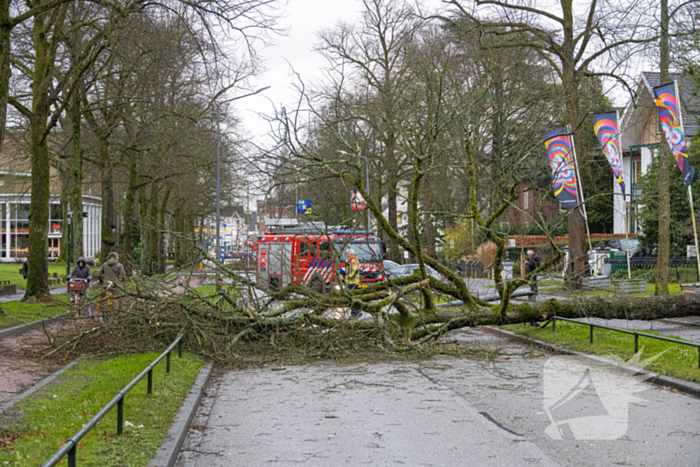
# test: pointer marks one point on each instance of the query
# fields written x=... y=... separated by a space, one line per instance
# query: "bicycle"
x=77 y=288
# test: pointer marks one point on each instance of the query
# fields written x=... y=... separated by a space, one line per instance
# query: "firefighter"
x=352 y=277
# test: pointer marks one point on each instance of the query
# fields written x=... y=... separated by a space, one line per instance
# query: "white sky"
x=302 y=20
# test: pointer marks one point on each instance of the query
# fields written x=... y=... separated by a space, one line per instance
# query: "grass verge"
x=679 y=361
x=16 y=312
x=10 y=272
x=41 y=423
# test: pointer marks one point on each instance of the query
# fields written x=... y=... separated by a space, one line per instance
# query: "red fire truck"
x=305 y=255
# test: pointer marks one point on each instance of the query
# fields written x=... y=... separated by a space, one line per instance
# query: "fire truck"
x=306 y=254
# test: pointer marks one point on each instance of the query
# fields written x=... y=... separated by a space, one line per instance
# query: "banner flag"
x=668 y=104
x=561 y=160
x=605 y=125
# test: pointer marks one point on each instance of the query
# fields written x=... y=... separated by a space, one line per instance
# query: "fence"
x=636 y=334
x=70 y=446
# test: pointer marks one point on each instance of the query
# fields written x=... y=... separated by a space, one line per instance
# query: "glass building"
x=14 y=219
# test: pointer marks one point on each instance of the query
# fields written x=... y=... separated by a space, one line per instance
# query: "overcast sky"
x=302 y=20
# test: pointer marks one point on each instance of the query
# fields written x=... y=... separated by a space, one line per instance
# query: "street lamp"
x=367 y=181
x=218 y=178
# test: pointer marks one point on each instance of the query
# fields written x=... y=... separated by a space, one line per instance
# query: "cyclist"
x=81 y=271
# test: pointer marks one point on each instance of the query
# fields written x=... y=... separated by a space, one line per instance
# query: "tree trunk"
x=152 y=234
x=5 y=69
x=77 y=175
x=65 y=175
x=427 y=218
x=665 y=161
x=37 y=267
x=130 y=198
x=392 y=195
x=162 y=253
x=108 y=223
x=578 y=256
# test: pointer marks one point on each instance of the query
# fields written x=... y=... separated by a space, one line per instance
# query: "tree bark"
x=665 y=158
x=578 y=256
x=162 y=254
x=108 y=222
x=5 y=69
x=129 y=201
x=77 y=176
x=65 y=175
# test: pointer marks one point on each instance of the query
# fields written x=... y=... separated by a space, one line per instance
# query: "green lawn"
x=16 y=312
x=46 y=419
x=10 y=272
x=679 y=361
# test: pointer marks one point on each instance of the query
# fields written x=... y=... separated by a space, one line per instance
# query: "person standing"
x=352 y=275
x=533 y=262
x=112 y=271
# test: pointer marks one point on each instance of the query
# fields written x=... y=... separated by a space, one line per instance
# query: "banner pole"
x=695 y=229
x=627 y=242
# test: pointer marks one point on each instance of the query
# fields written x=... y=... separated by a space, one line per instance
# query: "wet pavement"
x=442 y=411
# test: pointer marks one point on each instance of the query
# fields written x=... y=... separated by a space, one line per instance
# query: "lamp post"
x=218 y=177
x=366 y=183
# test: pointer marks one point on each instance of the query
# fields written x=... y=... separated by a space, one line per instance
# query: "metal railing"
x=649 y=262
x=70 y=446
x=636 y=334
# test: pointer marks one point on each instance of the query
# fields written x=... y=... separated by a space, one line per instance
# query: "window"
x=526 y=200
x=324 y=250
x=304 y=250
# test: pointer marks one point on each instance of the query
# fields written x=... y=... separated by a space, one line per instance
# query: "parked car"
x=619 y=244
x=390 y=266
x=408 y=269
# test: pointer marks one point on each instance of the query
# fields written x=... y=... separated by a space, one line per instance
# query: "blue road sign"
x=303 y=206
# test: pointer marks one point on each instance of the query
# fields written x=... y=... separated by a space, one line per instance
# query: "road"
x=442 y=411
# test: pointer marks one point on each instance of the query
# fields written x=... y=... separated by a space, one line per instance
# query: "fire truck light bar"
x=352 y=232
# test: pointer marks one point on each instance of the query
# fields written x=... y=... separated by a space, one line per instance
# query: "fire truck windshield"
x=365 y=252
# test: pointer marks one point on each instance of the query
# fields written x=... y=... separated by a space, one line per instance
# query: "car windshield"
x=365 y=252
x=390 y=266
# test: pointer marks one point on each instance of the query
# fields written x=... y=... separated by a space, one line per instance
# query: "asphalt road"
x=444 y=411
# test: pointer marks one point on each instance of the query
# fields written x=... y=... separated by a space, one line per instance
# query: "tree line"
x=125 y=92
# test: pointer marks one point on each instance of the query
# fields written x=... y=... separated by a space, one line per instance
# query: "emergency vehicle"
x=305 y=254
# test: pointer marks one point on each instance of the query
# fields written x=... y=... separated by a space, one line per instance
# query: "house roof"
x=690 y=101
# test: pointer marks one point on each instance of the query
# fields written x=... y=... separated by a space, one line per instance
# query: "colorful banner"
x=561 y=160
x=669 y=107
x=605 y=125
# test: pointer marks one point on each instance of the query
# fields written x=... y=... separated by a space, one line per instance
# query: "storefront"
x=14 y=219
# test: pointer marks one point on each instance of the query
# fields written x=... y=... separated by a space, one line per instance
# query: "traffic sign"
x=304 y=206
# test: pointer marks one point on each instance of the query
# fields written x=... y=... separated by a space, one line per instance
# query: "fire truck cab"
x=312 y=255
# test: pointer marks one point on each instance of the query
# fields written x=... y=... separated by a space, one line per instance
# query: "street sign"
x=85 y=214
x=304 y=206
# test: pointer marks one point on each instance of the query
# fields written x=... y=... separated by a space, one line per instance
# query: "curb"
x=660 y=380
x=37 y=386
x=167 y=453
x=22 y=328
